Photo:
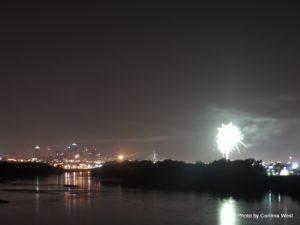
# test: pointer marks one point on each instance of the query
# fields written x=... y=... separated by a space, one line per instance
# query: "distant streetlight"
x=120 y=157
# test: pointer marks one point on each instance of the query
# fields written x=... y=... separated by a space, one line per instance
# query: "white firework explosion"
x=229 y=138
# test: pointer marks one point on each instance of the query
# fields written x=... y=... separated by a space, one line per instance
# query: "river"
x=47 y=201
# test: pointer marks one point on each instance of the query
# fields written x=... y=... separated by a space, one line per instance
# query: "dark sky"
x=137 y=77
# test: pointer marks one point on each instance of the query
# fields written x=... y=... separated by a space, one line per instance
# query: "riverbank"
x=223 y=177
x=11 y=170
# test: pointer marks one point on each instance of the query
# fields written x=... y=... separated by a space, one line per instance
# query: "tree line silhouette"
x=221 y=176
x=26 y=169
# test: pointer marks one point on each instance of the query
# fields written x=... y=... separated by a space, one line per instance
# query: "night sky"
x=135 y=77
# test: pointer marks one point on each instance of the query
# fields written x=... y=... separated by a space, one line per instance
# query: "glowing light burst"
x=120 y=157
x=229 y=138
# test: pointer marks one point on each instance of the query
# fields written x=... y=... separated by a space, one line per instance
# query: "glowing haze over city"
x=126 y=80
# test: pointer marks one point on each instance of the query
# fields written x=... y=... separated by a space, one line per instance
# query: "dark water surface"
x=47 y=201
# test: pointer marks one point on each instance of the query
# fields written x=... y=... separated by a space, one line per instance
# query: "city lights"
x=284 y=172
x=295 y=166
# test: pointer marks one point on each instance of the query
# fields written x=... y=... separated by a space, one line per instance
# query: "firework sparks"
x=229 y=138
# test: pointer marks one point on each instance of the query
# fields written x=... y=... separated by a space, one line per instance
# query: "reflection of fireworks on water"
x=229 y=138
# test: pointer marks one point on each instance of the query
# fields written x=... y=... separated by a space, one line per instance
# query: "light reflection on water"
x=227 y=212
x=47 y=201
x=77 y=197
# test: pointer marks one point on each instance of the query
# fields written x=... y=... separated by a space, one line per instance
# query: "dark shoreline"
x=240 y=177
x=13 y=170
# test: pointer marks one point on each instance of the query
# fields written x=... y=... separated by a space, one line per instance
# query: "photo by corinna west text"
x=266 y=215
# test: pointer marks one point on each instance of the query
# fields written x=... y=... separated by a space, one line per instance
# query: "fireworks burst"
x=229 y=138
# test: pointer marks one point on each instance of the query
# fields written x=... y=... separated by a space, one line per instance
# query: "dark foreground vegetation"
x=11 y=170
x=228 y=177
